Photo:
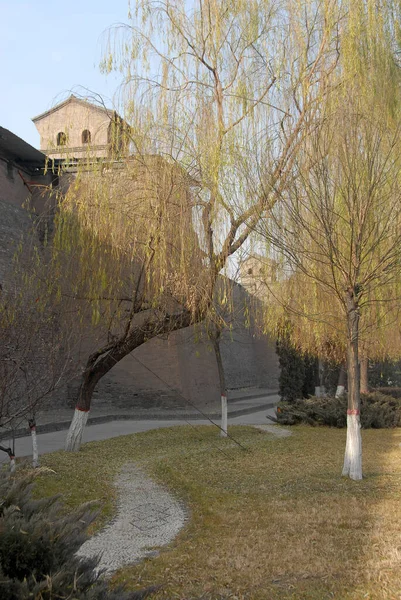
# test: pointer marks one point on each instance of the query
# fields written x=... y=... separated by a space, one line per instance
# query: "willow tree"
x=338 y=229
x=219 y=97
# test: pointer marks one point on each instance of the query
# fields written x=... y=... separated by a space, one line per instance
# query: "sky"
x=49 y=50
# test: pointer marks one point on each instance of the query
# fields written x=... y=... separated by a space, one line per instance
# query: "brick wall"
x=167 y=372
x=161 y=371
x=13 y=222
x=13 y=190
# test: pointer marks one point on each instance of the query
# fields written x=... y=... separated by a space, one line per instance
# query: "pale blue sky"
x=48 y=50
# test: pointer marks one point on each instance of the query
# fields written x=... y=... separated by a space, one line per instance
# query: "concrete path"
x=50 y=442
x=279 y=432
x=239 y=402
x=148 y=517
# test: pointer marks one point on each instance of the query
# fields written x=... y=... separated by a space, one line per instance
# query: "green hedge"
x=377 y=411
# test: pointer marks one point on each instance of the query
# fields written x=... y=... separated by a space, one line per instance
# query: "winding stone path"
x=148 y=516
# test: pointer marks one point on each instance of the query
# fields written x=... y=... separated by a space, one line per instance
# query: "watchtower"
x=78 y=129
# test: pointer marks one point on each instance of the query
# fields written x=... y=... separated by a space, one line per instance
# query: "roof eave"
x=71 y=98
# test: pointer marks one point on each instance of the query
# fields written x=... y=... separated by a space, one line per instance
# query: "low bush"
x=377 y=411
x=394 y=392
x=38 y=544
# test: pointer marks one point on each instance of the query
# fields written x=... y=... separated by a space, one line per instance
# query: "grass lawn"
x=274 y=521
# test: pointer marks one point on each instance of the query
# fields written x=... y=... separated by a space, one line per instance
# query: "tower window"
x=61 y=139
x=86 y=136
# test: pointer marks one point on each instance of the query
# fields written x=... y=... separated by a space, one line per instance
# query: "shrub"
x=297 y=371
x=331 y=372
x=292 y=371
x=377 y=411
x=385 y=374
x=310 y=373
x=38 y=542
x=394 y=392
x=380 y=411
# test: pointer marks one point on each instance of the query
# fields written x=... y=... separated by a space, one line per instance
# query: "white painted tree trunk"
x=35 y=453
x=340 y=391
x=353 y=449
x=342 y=379
x=223 y=430
x=76 y=430
x=320 y=390
x=12 y=464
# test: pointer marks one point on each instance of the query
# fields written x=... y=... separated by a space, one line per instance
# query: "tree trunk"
x=35 y=453
x=222 y=381
x=353 y=450
x=12 y=463
x=103 y=360
x=319 y=387
x=342 y=378
x=364 y=375
x=75 y=433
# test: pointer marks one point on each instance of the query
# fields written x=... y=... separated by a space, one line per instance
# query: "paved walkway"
x=50 y=442
x=279 y=432
x=239 y=402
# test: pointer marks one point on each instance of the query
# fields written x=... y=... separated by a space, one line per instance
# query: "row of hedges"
x=377 y=411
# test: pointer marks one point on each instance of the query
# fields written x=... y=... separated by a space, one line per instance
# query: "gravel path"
x=148 y=516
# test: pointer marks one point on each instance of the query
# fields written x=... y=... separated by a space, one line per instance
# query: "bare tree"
x=37 y=343
x=338 y=233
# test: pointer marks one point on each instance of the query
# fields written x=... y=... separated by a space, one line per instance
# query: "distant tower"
x=258 y=273
x=76 y=129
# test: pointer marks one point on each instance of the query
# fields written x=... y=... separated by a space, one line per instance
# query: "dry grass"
x=276 y=521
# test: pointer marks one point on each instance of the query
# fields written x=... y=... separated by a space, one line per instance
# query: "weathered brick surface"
x=13 y=222
x=19 y=189
x=183 y=367
x=162 y=372
x=165 y=372
x=12 y=187
x=180 y=371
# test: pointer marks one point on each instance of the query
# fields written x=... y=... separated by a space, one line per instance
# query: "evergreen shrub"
x=394 y=392
x=385 y=374
x=297 y=371
x=38 y=544
x=377 y=411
